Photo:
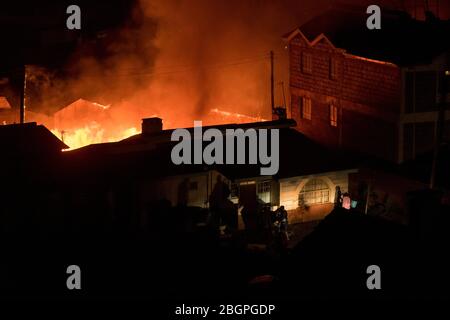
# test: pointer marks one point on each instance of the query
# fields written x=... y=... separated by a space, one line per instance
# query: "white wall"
x=291 y=187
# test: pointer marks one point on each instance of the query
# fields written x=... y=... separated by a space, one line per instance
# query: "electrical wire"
x=159 y=71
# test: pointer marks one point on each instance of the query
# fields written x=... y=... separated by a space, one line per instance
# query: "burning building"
x=84 y=122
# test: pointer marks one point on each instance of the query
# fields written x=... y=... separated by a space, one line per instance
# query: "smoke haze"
x=178 y=59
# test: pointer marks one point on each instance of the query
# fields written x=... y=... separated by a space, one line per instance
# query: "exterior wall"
x=290 y=189
x=192 y=190
x=366 y=92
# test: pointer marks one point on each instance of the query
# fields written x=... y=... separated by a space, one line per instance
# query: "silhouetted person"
x=280 y=222
x=218 y=201
x=338 y=197
x=248 y=213
x=229 y=216
x=267 y=223
x=219 y=193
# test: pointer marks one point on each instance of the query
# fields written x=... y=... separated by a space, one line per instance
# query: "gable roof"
x=320 y=38
x=28 y=138
x=401 y=39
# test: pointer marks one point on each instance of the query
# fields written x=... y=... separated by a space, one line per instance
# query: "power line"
x=187 y=68
x=199 y=66
x=202 y=65
x=157 y=71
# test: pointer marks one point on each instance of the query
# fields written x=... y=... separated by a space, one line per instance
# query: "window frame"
x=333 y=110
x=307 y=63
x=324 y=191
x=333 y=68
x=264 y=188
x=306 y=106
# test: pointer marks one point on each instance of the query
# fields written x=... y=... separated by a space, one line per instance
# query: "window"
x=333 y=69
x=333 y=115
x=306 y=108
x=306 y=63
x=263 y=191
x=315 y=191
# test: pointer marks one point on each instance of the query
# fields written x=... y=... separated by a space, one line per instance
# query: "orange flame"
x=83 y=123
x=91 y=134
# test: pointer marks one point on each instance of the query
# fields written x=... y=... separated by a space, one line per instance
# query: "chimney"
x=151 y=125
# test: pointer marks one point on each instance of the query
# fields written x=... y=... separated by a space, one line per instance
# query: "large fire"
x=90 y=134
x=83 y=123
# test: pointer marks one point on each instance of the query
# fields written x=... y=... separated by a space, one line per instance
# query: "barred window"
x=333 y=115
x=315 y=191
x=306 y=108
x=263 y=191
x=306 y=63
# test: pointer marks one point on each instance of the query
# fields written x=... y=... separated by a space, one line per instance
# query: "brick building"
x=370 y=91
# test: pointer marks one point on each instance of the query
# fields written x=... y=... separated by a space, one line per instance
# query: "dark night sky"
x=24 y=25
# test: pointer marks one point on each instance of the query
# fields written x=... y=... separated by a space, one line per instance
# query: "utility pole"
x=272 y=98
x=426 y=7
x=284 y=95
x=22 y=95
x=439 y=127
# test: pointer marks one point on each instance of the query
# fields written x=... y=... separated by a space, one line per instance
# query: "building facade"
x=377 y=107
x=342 y=100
